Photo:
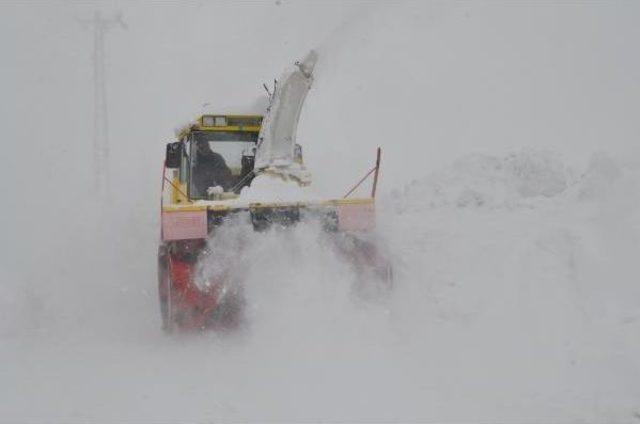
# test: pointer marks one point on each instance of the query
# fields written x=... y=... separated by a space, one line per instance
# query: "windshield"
x=220 y=158
x=231 y=145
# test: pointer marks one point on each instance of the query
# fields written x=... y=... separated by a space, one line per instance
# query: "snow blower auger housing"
x=204 y=174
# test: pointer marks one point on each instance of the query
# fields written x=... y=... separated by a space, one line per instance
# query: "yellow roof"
x=245 y=123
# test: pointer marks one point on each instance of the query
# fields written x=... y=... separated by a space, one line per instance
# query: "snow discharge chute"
x=277 y=138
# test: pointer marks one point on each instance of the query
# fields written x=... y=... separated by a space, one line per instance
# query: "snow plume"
x=289 y=275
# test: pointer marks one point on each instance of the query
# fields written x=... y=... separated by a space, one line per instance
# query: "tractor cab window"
x=219 y=158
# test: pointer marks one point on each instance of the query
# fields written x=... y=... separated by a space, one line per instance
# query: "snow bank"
x=524 y=297
x=516 y=179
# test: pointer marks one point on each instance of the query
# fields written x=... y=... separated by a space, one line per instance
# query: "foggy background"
x=509 y=200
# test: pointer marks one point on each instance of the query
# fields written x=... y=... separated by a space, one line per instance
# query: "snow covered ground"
x=510 y=205
x=516 y=300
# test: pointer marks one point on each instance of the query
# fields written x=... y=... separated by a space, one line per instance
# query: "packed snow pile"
x=526 y=296
x=600 y=177
x=267 y=187
x=479 y=180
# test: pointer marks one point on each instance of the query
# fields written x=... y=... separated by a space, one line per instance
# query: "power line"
x=100 y=27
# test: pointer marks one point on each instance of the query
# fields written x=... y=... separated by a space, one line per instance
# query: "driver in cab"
x=210 y=169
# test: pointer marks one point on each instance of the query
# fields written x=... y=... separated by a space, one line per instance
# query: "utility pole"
x=100 y=27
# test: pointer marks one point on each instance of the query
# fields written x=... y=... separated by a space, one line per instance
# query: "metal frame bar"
x=375 y=169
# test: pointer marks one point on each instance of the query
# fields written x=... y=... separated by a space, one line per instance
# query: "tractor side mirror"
x=174 y=155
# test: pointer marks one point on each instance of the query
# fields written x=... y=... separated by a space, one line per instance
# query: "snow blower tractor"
x=207 y=177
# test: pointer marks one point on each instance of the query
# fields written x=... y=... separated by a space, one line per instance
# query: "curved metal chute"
x=277 y=139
